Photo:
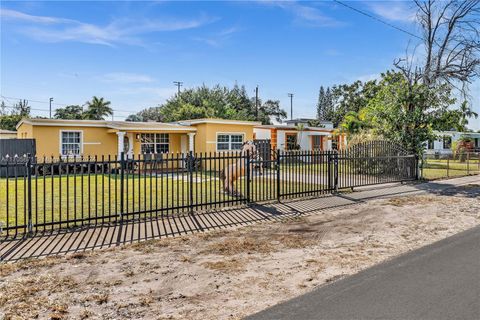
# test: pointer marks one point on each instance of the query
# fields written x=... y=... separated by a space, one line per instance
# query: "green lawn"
x=65 y=198
x=441 y=168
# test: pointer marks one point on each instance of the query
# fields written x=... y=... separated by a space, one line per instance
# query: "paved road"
x=440 y=281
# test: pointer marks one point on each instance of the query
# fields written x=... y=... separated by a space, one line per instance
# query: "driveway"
x=439 y=281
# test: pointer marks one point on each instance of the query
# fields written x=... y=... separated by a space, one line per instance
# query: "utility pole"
x=291 y=105
x=256 y=103
x=178 y=84
x=51 y=100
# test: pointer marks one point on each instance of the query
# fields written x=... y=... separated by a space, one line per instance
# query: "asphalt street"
x=439 y=281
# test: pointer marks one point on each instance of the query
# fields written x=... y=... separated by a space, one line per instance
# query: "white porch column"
x=130 y=144
x=191 y=141
x=120 y=139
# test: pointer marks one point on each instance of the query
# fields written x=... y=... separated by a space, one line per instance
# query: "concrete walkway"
x=439 y=281
x=104 y=236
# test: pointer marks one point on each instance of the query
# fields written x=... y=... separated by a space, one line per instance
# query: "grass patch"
x=61 y=198
x=231 y=265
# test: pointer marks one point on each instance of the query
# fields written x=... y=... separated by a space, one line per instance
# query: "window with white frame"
x=155 y=142
x=447 y=142
x=227 y=142
x=71 y=143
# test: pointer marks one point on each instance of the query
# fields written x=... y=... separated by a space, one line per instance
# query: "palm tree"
x=467 y=112
x=97 y=109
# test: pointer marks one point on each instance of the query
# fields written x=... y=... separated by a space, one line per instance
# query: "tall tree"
x=451 y=44
x=217 y=102
x=404 y=112
x=467 y=112
x=3 y=108
x=72 y=112
x=349 y=97
x=97 y=109
x=321 y=104
x=22 y=108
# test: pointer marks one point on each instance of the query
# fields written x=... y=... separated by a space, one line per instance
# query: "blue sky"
x=131 y=52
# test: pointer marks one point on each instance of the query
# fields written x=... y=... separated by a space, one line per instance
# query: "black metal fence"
x=41 y=194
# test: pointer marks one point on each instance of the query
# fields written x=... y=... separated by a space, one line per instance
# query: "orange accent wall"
x=273 y=139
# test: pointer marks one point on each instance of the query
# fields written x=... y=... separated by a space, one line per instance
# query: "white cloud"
x=126 y=31
x=400 y=11
x=153 y=92
x=305 y=15
x=217 y=39
x=16 y=15
x=123 y=77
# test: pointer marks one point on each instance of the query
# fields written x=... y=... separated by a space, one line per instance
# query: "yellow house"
x=56 y=137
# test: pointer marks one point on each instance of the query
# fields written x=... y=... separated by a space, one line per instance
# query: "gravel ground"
x=231 y=273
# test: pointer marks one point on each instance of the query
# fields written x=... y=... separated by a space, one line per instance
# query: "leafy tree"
x=354 y=122
x=270 y=108
x=217 y=102
x=72 y=112
x=325 y=105
x=321 y=105
x=9 y=121
x=21 y=108
x=466 y=112
x=449 y=120
x=329 y=105
x=134 y=118
x=151 y=114
x=3 y=109
x=403 y=111
x=97 y=109
x=350 y=97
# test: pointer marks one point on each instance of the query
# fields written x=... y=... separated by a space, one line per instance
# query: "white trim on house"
x=115 y=125
x=60 y=133
x=219 y=121
x=229 y=142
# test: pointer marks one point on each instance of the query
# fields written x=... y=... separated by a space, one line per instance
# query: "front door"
x=317 y=143
x=291 y=141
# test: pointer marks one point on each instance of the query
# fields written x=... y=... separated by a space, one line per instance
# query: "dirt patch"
x=228 y=274
x=416 y=200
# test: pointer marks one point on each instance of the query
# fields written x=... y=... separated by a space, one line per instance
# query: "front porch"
x=148 y=144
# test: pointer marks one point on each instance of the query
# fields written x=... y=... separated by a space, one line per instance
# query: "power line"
x=48 y=102
x=388 y=24
x=378 y=19
x=37 y=101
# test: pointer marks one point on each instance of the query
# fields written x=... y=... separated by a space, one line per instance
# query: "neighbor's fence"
x=39 y=194
x=435 y=166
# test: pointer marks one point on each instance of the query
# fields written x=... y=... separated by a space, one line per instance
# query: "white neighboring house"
x=8 y=134
x=287 y=136
x=443 y=144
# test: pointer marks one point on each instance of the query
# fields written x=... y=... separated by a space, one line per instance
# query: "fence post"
x=448 y=166
x=468 y=163
x=122 y=186
x=335 y=170
x=191 y=164
x=29 y=193
x=417 y=166
x=329 y=170
x=278 y=175
x=247 y=160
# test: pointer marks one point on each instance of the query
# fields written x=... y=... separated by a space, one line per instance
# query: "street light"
x=51 y=100
x=291 y=105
